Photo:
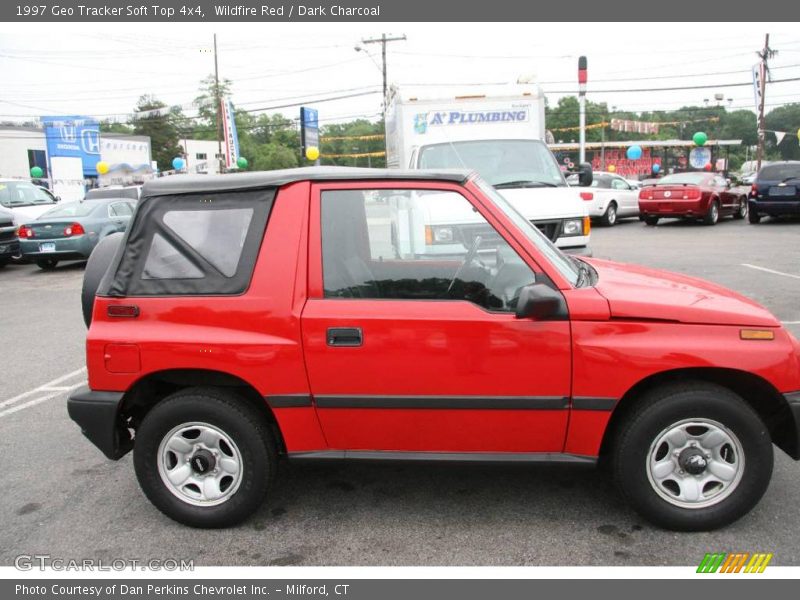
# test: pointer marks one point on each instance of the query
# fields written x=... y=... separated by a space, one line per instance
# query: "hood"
x=26 y=214
x=635 y=292
x=537 y=203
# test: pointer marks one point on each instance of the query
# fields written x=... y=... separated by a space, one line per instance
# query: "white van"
x=498 y=131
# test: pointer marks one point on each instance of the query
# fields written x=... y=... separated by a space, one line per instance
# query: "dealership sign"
x=74 y=137
x=231 y=137
x=422 y=121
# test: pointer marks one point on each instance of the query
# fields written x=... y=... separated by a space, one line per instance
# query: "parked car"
x=634 y=183
x=244 y=317
x=72 y=230
x=610 y=198
x=9 y=243
x=776 y=191
x=25 y=200
x=132 y=192
x=692 y=195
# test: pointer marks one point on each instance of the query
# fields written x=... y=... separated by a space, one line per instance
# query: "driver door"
x=409 y=332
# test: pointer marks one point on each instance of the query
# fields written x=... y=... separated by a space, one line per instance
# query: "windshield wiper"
x=790 y=178
x=523 y=183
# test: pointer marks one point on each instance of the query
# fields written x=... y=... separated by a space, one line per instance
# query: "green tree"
x=784 y=118
x=206 y=102
x=353 y=130
x=113 y=127
x=163 y=128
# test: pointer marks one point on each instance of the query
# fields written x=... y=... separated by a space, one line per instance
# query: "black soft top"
x=189 y=184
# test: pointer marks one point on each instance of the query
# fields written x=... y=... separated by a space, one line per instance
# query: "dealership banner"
x=73 y=137
x=231 y=137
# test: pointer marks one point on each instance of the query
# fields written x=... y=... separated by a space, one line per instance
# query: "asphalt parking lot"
x=62 y=498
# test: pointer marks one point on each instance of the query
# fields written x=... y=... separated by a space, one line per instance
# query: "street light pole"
x=765 y=54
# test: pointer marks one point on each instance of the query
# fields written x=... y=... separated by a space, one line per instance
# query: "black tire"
x=3 y=262
x=46 y=264
x=741 y=213
x=712 y=216
x=609 y=218
x=651 y=221
x=96 y=267
x=243 y=423
x=753 y=217
x=658 y=411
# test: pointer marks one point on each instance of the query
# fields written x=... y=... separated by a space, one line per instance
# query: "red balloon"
x=707 y=167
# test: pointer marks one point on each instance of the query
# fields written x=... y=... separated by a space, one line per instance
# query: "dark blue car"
x=776 y=191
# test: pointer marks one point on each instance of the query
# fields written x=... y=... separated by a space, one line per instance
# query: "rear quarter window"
x=193 y=244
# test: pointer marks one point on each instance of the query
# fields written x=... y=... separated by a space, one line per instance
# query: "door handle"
x=345 y=336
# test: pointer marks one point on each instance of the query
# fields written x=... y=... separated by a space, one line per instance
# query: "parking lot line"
x=35 y=401
x=774 y=272
x=42 y=388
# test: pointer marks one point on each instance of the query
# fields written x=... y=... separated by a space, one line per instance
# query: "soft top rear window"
x=192 y=244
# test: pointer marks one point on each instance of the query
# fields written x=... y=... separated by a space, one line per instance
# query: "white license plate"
x=47 y=247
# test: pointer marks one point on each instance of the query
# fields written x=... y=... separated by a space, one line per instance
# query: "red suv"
x=332 y=313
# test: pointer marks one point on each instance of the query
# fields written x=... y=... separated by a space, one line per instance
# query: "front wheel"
x=742 y=212
x=692 y=457
x=204 y=457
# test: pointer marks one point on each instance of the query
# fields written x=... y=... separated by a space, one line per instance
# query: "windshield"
x=565 y=266
x=14 y=194
x=780 y=172
x=72 y=209
x=681 y=178
x=498 y=161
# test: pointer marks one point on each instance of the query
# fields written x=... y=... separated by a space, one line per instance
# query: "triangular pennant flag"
x=779 y=135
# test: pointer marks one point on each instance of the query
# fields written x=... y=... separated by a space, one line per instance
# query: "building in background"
x=75 y=146
x=202 y=156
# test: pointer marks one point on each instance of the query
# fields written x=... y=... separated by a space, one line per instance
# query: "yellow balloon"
x=102 y=167
x=612 y=168
x=312 y=153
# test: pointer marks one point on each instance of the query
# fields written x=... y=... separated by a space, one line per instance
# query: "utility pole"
x=218 y=99
x=582 y=77
x=765 y=54
x=383 y=40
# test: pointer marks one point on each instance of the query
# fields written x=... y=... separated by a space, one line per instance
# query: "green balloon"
x=700 y=138
x=36 y=172
x=241 y=162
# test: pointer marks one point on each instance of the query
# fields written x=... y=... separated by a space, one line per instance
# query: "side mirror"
x=540 y=301
x=585 y=176
x=57 y=198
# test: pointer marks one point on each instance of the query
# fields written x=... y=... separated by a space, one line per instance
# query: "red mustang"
x=333 y=313
x=704 y=196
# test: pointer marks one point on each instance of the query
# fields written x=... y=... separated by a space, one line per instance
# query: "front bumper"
x=775 y=208
x=100 y=419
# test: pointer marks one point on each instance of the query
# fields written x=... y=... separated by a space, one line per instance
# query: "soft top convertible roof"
x=188 y=184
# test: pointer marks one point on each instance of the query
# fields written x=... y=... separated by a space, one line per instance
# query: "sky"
x=101 y=70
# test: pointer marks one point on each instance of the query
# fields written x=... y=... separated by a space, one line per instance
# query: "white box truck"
x=499 y=131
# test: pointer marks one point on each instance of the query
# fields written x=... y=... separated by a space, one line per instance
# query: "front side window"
x=620 y=184
x=416 y=245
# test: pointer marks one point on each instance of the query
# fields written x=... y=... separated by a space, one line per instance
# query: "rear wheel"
x=742 y=212
x=693 y=457
x=651 y=221
x=609 y=218
x=754 y=217
x=205 y=458
x=47 y=264
x=712 y=216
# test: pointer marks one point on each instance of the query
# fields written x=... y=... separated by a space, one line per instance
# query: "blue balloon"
x=178 y=163
x=634 y=152
x=656 y=168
